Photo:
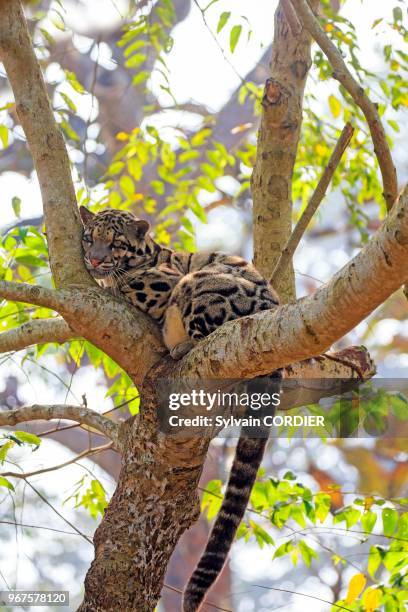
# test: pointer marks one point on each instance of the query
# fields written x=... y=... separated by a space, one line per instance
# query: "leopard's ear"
x=86 y=215
x=137 y=228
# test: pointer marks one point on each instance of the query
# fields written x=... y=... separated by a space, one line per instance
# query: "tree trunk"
x=154 y=503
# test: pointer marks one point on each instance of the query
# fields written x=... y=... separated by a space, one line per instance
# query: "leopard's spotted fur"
x=190 y=296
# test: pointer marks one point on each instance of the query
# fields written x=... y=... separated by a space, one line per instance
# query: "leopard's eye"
x=87 y=240
x=117 y=244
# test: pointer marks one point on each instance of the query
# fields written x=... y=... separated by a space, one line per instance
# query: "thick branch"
x=315 y=200
x=121 y=331
x=29 y=294
x=260 y=343
x=277 y=147
x=80 y=414
x=307 y=382
x=46 y=145
x=369 y=109
x=37 y=331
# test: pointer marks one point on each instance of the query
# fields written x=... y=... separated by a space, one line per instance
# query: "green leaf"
x=322 y=504
x=223 y=20
x=374 y=560
x=234 y=36
x=27 y=438
x=127 y=186
x=394 y=125
x=307 y=552
x=335 y=106
x=283 y=550
x=298 y=515
x=390 y=520
x=16 y=204
x=4 y=449
x=68 y=101
x=116 y=167
x=73 y=81
x=136 y=60
x=262 y=536
x=140 y=77
x=200 y=138
x=397 y=13
x=6 y=483
x=368 y=521
x=212 y=498
x=4 y=135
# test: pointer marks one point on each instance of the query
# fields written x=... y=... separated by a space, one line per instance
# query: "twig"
x=260 y=586
x=40 y=527
x=45 y=500
x=205 y=603
x=87 y=453
x=315 y=200
x=369 y=109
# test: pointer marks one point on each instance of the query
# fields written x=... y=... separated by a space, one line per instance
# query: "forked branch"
x=356 y=91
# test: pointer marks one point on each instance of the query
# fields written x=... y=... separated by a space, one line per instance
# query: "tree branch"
x=318 y=195
x=30 y=294
x=120 y=330
x=277 y=147
x=308 y=381
x=86 y=453
x=258 y=344
x=46 y=145
x=369 y=109
x=37 y=331
x=80 y=414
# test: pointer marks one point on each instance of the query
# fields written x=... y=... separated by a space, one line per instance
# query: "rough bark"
x=46 y=145
x=155 y=501
x=277 y=146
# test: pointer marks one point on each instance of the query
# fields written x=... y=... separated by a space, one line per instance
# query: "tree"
x=156 y=497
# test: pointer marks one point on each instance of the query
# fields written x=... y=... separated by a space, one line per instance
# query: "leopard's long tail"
x=247 y=460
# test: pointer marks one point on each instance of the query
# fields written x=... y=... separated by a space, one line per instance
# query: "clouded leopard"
x=190 y=296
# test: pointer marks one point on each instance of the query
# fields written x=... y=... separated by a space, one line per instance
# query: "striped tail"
x=247 y=460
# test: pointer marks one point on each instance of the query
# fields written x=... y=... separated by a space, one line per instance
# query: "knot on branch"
x=274 y=94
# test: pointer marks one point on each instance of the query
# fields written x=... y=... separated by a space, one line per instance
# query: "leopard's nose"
x=95 y=262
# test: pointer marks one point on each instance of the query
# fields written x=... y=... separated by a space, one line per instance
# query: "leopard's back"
x=218 y=288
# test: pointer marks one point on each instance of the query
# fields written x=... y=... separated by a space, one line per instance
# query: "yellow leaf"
x=320 y=149
x=371 y=600
x=137 y=197
x=329 y=27
x=356 y=585
x=122 y=136
x=335 y=106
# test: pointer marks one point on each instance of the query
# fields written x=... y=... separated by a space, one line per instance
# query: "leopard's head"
x=114 y=242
